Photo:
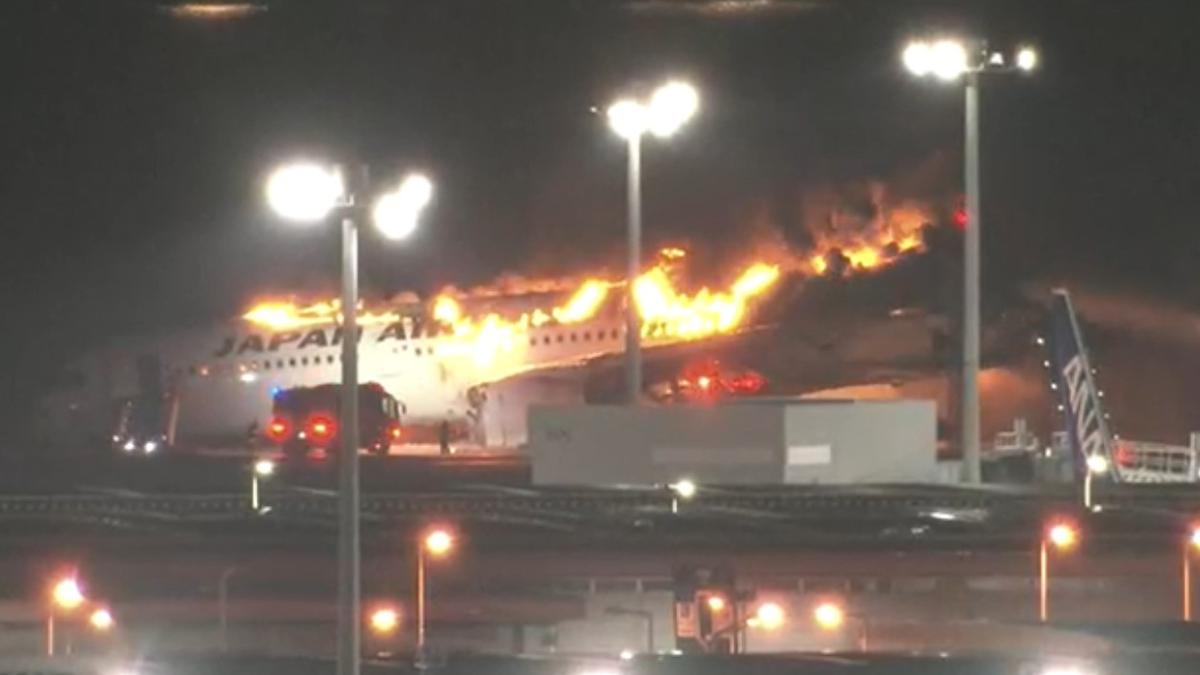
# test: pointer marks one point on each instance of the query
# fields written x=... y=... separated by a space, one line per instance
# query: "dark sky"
x=134 y=144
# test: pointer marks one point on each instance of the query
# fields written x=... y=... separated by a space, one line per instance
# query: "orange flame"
x=866 y=246
x=666 y=313
x=280 y=315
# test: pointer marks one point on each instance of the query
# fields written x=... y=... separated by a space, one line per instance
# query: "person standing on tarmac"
x=444 y=437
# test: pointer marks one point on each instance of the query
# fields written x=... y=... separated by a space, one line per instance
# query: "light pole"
x=1063 y=537
x=684 y=489
x=669 y=107
x=223 y=605
x=436 y=542
x=65 y=595
x=950 y=61
x=1096 y=465
x=262 y=469
x=1190 y=546
x=312 y=193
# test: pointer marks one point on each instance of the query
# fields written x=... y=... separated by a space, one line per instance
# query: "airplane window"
x=266 y=365
x=304 y=361
x=546 y=339
x=292 y=362
x=329 y=358
x=587 y=335
x=532 y=342
x=615 y=334
x=560 y=337
x=417 y=351
x=279 y=363
x=574 y=337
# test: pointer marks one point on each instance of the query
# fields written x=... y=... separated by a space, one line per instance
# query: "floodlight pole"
x=971 y=456
x=349 y=564
x=633 y=331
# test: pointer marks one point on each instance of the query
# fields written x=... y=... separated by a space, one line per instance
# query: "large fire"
x=667 y=313
x=862 y=233
x=888 y=235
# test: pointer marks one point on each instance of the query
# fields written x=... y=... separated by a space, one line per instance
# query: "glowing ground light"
x=684 y=488
x=829 y=615
x=770 y=616
x=385 y=620
x=101 y=619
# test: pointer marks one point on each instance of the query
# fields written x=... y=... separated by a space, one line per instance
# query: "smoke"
x=854 y=226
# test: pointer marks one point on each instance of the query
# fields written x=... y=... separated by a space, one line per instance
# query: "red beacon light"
x=278 y=429
x=321 y=429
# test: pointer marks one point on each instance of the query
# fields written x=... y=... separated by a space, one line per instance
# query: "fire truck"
x=306 y=418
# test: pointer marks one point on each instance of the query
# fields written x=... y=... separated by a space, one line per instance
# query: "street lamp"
x=831 y=616
x=436 y=542
x=1097 y=465
x=307 y=192
x=669 y=108
x=684 y=489
x=263 y=469
x=768 y=616
x=385 y=620
x=950 y=61
x=1190 y=546
x=65 y=595
x=101 y=619
x=1062 y=537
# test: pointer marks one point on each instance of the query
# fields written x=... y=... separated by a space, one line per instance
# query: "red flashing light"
x=278 y=429
x=704 y=382
x=321 y=428
x=748 y=382
x=394 y=432
x=960 y=218
x=1125 y=455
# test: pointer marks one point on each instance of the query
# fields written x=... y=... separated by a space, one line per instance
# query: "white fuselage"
x=224 y=378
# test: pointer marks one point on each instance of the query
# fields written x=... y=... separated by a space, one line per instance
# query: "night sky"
x=134 y=143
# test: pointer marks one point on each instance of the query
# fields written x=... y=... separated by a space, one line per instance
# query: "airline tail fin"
x=1079 y=398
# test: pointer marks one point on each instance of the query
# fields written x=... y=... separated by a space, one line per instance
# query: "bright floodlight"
x=829 y=616
x=385 y=620
x=671 y=106
x=1063 y=535
x=918 y=58
x=1195 y=538
x=438 y=542
x=949 y=59
x=264 y=467
x=101 y=619
x=770 y=616
x=304 y=192
x=685 y=488
x=628 y=118
x=716 y=603
x=1097 y=464
x=1027 y=58
x=67 y=593
x=396 y=212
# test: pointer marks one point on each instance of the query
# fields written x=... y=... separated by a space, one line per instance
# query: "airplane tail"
x=1079 y=399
